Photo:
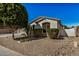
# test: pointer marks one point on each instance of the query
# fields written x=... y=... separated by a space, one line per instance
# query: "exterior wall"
x=71 y=32
x=33 y=23
x=53 y=23
x=59 y=26
x=46 y=20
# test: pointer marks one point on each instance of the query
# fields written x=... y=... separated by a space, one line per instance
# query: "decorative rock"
x=75 y=44
x=18 y=41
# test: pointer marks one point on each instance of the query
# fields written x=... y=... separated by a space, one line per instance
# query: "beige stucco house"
x=42 y=21
x=42 y=25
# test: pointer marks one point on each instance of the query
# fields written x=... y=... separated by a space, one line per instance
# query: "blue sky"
x=67 y=13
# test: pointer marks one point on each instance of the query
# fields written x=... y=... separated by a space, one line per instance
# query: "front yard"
x=42 y=47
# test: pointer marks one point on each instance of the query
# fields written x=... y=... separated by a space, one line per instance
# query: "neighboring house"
x=71 y=32
x=45 y=23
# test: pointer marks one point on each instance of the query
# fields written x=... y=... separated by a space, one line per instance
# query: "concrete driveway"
x=7 y=52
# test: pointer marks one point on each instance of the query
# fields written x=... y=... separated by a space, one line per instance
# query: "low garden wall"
x=6 y=30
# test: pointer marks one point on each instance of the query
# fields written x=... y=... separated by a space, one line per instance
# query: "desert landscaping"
x=43 y=47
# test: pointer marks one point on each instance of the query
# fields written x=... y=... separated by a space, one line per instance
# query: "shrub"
x=37 y=32
x=53 y=33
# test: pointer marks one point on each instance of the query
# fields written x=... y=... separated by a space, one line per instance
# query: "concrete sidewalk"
x=7 y=52
x=16 y=35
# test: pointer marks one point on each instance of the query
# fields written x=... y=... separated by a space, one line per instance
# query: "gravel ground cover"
x=43 y=47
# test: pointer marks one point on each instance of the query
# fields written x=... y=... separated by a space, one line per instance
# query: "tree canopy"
x=13 y=14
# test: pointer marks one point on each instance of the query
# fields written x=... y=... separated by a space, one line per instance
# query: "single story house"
x=42 y=21
x=45 y=23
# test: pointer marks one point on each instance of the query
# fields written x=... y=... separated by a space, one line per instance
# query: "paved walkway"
x=7 y=52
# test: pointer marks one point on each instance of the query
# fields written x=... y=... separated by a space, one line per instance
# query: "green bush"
x=53 y=33
x=37 y=32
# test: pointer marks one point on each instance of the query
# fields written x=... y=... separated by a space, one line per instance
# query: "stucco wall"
x=71 y=32
x=53 y=23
